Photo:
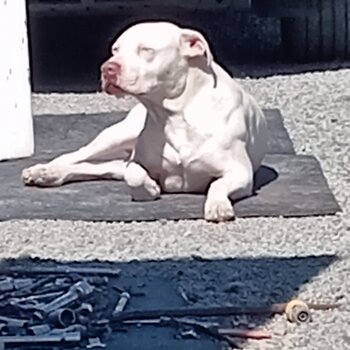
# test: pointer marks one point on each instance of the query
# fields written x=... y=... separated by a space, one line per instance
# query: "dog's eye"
x=115 y=49
x=146 y=52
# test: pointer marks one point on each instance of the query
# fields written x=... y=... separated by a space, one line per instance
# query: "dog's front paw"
x=141 y=185
x=218 y=210
x=146 y=192
x=42 y=175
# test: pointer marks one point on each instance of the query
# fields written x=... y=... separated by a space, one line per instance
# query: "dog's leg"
x=114 y=141
x=236 y=183
x=111 y=141
x=56 y=176
x=141 y=185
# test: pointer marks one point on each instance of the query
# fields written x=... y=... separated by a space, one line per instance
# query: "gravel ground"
x=316 y=107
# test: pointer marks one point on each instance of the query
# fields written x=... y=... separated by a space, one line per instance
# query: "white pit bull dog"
x=194 y=130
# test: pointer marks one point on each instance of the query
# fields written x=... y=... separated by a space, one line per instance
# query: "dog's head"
x=153 y=58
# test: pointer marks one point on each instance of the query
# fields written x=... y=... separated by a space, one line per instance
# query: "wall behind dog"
x=66 y=52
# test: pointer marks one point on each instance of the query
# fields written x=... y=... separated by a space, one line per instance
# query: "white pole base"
x=16 y=122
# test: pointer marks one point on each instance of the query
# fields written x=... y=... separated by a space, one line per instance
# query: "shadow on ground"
x=66 y=52
x=193 y=282
x=264 y=176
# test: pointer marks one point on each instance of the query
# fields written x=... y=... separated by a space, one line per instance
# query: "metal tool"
x=122 y=302
x=203 y=327
x=298 y=312
x=83 y=312
x=6 y=285
x=28 y=289
x=78 y=290
x=208 y=328
x=213 y=311
x=73 y=337
x=28 y=305
x=20 y=283
x=245 y=333
x=212 y=328
x=63 y=317
x=14 y=322
x=39 y=329
x=95 y=343
x=15 y=301
x=73 y=328
x=59 y=270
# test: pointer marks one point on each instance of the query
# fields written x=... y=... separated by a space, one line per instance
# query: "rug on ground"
x=287 y=184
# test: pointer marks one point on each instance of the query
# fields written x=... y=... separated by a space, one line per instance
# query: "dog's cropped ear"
x=194 y=44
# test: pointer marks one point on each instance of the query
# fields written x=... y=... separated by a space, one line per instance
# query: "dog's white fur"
x=194 y=130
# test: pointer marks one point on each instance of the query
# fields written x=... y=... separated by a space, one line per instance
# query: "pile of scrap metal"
x=64 y=305
x=54 y=305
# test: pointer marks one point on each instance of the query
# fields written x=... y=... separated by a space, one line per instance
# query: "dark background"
x=66 y=52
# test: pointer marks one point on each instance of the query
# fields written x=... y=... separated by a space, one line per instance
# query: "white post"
x=16 y=122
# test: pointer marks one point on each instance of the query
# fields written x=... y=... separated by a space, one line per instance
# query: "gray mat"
x=55 y=135
x=286 y=185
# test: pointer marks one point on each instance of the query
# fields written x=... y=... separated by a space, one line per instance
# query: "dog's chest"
x=191 y=146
